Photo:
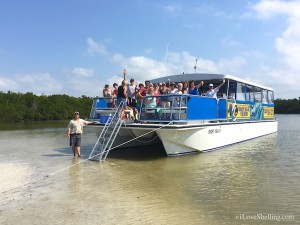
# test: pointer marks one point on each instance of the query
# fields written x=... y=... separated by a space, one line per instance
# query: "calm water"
x=255 y=182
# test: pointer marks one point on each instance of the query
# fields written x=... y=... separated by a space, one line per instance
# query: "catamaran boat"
x=183 y=123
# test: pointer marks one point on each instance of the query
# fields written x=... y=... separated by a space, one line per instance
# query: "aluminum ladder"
x=107 y=136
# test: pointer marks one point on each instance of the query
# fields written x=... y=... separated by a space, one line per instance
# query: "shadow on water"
x=142 y=153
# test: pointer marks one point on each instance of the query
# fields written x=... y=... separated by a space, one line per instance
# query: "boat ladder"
x=107 y=136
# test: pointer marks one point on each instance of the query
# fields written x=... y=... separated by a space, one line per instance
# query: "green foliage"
x=287 y=106
x=16 y=107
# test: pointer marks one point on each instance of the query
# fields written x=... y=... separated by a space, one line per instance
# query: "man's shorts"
x=75 y=140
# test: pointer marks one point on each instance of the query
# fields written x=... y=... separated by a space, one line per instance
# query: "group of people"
x=132 y=94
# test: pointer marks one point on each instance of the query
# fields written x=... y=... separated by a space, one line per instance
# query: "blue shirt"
x=193 y=91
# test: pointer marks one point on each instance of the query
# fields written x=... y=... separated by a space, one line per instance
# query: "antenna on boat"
x=195 y=67
x=166 y=58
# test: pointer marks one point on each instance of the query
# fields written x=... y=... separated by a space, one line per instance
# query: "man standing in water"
x=75 y=129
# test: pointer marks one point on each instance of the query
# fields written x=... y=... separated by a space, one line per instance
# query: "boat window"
x=271 y=97
x=265 y=96
x=240 y=91
x=249 y=93
x=231 y=89
x=257 y=94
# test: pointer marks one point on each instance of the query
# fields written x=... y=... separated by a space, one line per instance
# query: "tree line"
x=18 y=107
x=287 y=106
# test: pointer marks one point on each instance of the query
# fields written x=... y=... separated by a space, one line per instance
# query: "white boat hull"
x=186 y=139
x=207 y=138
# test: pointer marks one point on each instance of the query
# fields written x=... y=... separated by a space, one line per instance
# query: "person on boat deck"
x=75 y=129
x=212 y=92
x=122 y=94
x=156 y=92
x=107 y=93
x=173 y=89
x=160 y=86
x=200 y=87
x=179 y=90
x=193 y=89
x=150 y=102
x=185 y=89
x=156 y=89
x=140 y=95
x=115 y=93
x=164 y=100
x=230 y=95
x=131 y=93
x=147 y=84
x=129 y=113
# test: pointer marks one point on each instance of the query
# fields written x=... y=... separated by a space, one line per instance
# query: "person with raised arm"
x=212 y=92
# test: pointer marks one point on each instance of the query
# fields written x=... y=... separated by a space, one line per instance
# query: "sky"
x=75 y=47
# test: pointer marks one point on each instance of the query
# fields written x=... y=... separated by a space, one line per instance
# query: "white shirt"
x=173 y=92
x=76 y=126
x=211 y=93
x=131 y=91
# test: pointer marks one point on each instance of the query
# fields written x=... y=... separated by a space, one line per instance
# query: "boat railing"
x=181 y=108
x=103 y=108
x=164 y=108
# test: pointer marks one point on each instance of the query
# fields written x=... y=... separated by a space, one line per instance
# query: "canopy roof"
x=205 y=76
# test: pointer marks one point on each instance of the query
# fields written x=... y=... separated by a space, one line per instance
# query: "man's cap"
x=173 y=84
x=163 y=83
x=76 y=113
x=211 y=85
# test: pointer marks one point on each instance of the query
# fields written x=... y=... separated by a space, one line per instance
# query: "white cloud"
x=287 y=44
x=82 y=72
x=38 y=83
x=143 y=68
x=94 y=47
x=8 y=84
x=268 y=8
x=82 y=81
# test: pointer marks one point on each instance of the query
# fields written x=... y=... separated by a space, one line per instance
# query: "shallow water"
x=254 y=182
